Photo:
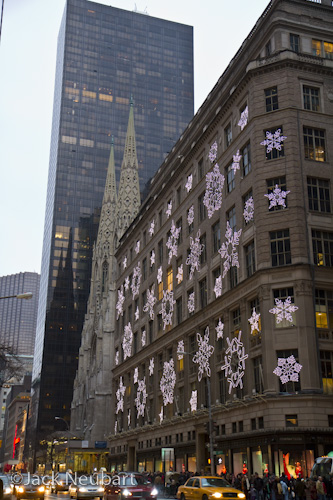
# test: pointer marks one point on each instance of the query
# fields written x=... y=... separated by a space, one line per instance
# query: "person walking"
x=321 y=489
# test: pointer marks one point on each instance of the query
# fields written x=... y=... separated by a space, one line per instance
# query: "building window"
x=216 y=236
x=179 y=196
x=314 y=144
x=233 y=276
x=250 y=261
x=289 y=386
x=105 y=271
x=330 y=420
x=203 y=255
x=169 y=279
x=258 y=375
x=203 y=293
x=291 y=421
x=275 y=153
x=236 y=321
x=322 y=244
x=280 y=247
x=271 y=184
x=294 y=42
x=179 y=310
x=160 y=292
x=268 y=49
x=240 y=426
x=222 y=387
x=322 y=49
x=200 y=169
x=135 y=342
x=319 y=195
x=160 y=252
x=253 y=424
x=231 y=218
x=160 y=218
x=202 y=208
x=328 y=50
x=228 y=135
x=246 y=159
x=311 y=98
x=324 y=309
x=144 y=269
x=151 y=331
x=326 y=363
x=316 y=48
x=271 y=98
x=179 y=225
x=230 y=174
x=283 y=294
x=190 y=226
x=234 y=427
x=260 y=422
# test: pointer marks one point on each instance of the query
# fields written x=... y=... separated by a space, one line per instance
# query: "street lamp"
x=59 y=418
x=25 y=295
x=210 y=420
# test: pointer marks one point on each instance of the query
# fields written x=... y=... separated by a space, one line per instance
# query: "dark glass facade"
x=105 y=56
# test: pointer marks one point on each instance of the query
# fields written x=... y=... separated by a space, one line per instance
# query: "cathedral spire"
x=129 y=188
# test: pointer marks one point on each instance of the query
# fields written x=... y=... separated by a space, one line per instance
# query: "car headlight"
x=240 y=495
x=20 y=489
x=82 y=489
x=126 y=493
x=41 y=489
x=100 y=489
x=154 y=492
x=217 y=495
x=7 y=490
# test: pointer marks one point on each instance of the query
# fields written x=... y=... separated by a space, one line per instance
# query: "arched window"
x=105 y=276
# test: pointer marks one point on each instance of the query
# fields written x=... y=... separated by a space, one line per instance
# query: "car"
x=85 y=487
x=29 y=486
x=129 y=485
x=61 y=481
x=208 y=488
x=7 y=486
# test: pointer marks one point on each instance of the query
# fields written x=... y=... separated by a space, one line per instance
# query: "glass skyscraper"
x=106 y=56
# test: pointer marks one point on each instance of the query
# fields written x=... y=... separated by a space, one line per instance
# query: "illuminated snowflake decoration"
x=136 y=375
x=159 y=275
x=143 y=338
x=120 y=302
x=136 y=280
x=194 y=400
x=190 y=215
x=254 y=321
x=277 y=197
x=127 y=341
x=273 y=141
x=172 y=243
x=151 y=301
x=120 y=393
x=168 y=303
x=125 y=262
x=137 y=314
x=168 y=382
x=196 y=249
x=288 y=369
x=244 y=118
x=213 y=152
x=137 y=247
x=169 y=209
x=228 y=250
x=234 y=366
x=180 y=274
x=236 y=159
x=188 y=185
x=129 y=418
x=152 y=228
x=190 y=303
x=152 y=258
x=115 y=427
x=141 y=398
x=219 y=330
x=117 y=358
x=248 y=212
x=202 y=356
x=283 y=310
x=151 y=366
x=214 y=187
x=180 y=349
x=218 y=286
x=127 y=283
x=161 y=415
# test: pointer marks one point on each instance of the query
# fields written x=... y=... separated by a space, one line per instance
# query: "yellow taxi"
x=208 y=488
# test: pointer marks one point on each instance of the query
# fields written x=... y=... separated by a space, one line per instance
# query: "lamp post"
x=25 y=295
x=210 y=420
x=60 y=418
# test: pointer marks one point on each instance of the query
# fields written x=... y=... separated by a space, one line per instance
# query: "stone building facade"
x=268 y=126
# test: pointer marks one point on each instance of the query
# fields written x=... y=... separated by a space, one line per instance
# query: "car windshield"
x=86 y=480
x=133 y=480
x=322 y=468
x=214 y=481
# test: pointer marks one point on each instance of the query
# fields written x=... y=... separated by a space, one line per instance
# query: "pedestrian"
x=284 y=486
x=321 y=489
x=258 y=486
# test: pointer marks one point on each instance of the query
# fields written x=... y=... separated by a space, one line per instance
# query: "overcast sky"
x=27 y=68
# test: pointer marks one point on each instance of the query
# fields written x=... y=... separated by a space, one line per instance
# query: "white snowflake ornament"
x=117 y=358
x=214 y=189
x=151 y=301
x=159 y=275
x=136 y=280
x=129 y=418
x=180 y=349
x=152 y=228
x=180 y=274
x=234 y=360
x=151 y=366
x=152 y=258
x=196 y=249
x=143 y=338
x=236 y=160
x=190 y=215
x=136 y=375
x=127 y=283
x=127 y=341
x=168 y=303
x=194 y=400
x=244 y=118
x=188 y=185
x=248 y=212
x=115 y=427
x=168 y=382
x=288 y=369
x=125 y=262
x=228 y=250
x=283 y=310
x=277 y=197
x=254 y=321
x=202 y=356
x=213 y=152
x=137 y=247
x=161 y=415
x=190 y=303
x=120 y=396
x=141 y=398
x=137 y=314
x=273 y=140
x=219 y=330
x=169 y=209
x=172 y=243
x=218 y=286
x=120 y=302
